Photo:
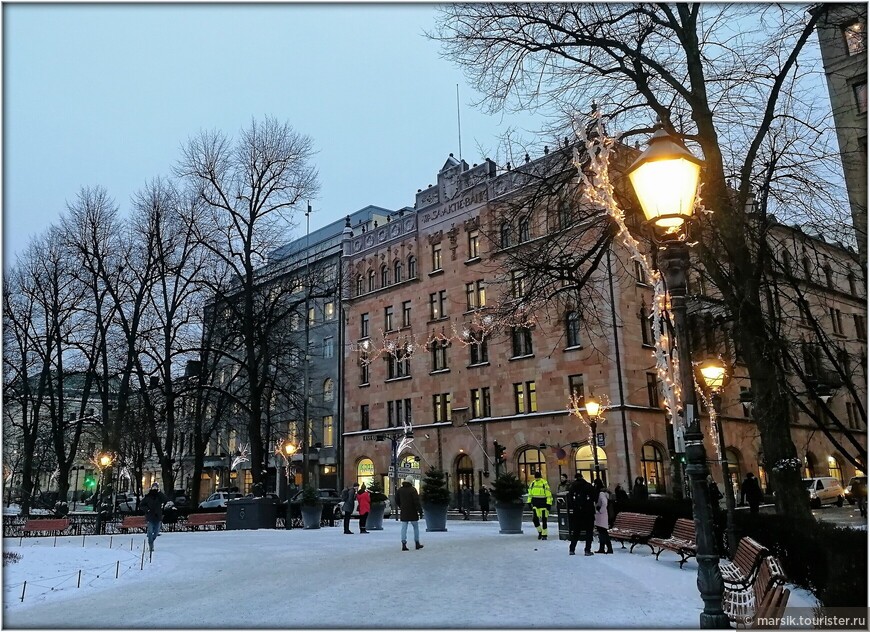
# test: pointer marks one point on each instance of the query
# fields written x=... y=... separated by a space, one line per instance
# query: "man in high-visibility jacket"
x=541 y=500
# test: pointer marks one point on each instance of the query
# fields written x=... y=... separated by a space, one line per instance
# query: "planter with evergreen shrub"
x=508 y=493
x=312 y=508
x=375 y=521
x=435 y=499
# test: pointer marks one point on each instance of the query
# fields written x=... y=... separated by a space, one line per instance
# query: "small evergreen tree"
x=435 y=488
x=508 y=488
x=376 y=492
x=310 y=496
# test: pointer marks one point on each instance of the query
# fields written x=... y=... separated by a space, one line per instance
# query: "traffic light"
x=90 y=483
x=499 y=456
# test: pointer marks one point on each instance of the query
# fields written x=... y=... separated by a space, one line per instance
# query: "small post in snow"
x=23 y=589
x=79 y=584
x=83 y=540
x=55 y=540
x=142 y=563
x=117 y=568
x=131 y=544
x=110 y=541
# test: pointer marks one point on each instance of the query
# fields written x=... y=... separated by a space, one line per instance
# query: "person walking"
x=467 y=501
x=602 y=518
x=639 y=491
x=859 y=491
x=410 y=510
x=750 y=491
x=365 y=505
x=582 y=503
x=348 y=497
x=483 y=500
x=152 y=503
x=541 y=499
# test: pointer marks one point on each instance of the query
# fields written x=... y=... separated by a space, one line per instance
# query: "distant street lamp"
x=665 y=178
x=395 y=436
x=715 y=376
x=593 y=409
x=103 y=461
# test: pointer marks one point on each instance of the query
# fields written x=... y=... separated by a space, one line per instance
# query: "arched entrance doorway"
x=464 y=477
x=529 y=461
x=583 y=462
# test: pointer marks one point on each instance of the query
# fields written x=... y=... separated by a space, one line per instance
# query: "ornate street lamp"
x=665 y=178
x=715 y=376
x=593 y=409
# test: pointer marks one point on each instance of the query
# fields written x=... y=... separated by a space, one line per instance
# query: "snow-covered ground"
x=469 y=576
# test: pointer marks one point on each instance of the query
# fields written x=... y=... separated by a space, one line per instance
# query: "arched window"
x=525 y=234
x=809 y=465
x=328 y=390
x=529 y=461
x=365 y=472
x=572 y=329
x=583 y=462
x=412 y=267
x=397 y=271
x=371 y=280
x=359 y=284
x=385 y=275
x=834 y=469
x=505 y=235
x=652 y=466
x=733 y=458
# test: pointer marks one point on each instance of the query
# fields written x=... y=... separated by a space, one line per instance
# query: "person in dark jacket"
x=483 y=499
x=348 y=500
x=639 y=491
x=581 y=500
x=152 y=504
x=619 y=494
x=410 y=510
x=467 y=501
x=750 y=491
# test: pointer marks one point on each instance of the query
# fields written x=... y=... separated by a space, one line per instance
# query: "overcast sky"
x=105 y=95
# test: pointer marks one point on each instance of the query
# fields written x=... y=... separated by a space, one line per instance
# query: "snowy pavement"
x=469 y=576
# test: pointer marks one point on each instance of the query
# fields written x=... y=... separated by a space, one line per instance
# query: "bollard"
x=20 y=541
x=79 y=584
x=110 y=541
x=23 y=589
x=142 y=563
x=117 y=568
x=131 y=544
x=55 y=540
x=83 y=540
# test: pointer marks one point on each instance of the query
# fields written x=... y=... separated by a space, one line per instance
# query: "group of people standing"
x=349 y=497
x=587 y=505
x=465 y=502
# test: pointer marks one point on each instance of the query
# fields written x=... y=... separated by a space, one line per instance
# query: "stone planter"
x=375 y=521
x=311 y=515
x=436 y=517
x=510 y=517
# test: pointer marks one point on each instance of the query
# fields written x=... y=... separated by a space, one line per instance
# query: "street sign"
x=599 y=439
x=391 y=471
x=406 y=471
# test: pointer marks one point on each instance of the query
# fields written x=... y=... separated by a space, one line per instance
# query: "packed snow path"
x=470 y=576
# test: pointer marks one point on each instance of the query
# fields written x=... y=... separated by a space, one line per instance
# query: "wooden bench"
x=770 y=611
x=681 y=541
x=761 y=600
x=634 y=528
x=133 y=522
x=216 y=520
x=54 y=525
x=739 y=572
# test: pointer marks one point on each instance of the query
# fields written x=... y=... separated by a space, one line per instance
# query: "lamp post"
x=715 y=376
x=395 y=436
x=288 y=449
x=103 y=461
x=593 y=409
x=665 y=178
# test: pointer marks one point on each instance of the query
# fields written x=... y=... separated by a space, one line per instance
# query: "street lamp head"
x=105 y=460
x=665 y=179
x=593 y=407
x=714 y=374
x=289 y=448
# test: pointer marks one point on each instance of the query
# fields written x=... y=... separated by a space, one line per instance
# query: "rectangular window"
x=532 y=396
x=397 y=368
x=408 y=420
x=860 y=90
x=473 y=244
x=640 y=273
x=652 y=390
x=439 y=355
x=392 y=414
x=311 y=316
x=855 y=35
x=406 y=314
x=860 y=327
x=521 y=340
x=388 y=318
x=329 y=347
x=576 y=388
x=646 y=328
x=479 y=352
x=364 y=416
x=519 y=398
x=436 y=257
x=475 y=295
x=745 y=403
x=437 y=305
x=364 y=373
x=329 y=311
x=441 y=406
x=518 y=284
x=836 y=321
x=364 y=325
x=328 y=431
x=480 y=406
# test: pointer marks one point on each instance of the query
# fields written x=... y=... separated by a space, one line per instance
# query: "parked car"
x=328 y=497
x=218 y=499
x=180 y=500
x=849 y=493
x=824 y=490
x=125 y=503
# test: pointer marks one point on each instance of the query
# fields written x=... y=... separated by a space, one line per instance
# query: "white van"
x=824 y=490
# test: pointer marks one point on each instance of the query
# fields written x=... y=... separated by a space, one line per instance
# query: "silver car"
x=218 y=499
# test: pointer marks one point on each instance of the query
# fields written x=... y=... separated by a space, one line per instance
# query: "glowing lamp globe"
x=714 y=373
x=289 y=449
x=665 y=179
x=592 y=407
x=105 y=460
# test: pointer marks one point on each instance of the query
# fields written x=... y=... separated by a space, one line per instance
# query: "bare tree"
x=727 y=79
x=250 y=188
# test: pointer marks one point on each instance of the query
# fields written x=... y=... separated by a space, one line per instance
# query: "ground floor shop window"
x=652 y=467
x=531 y=460
x=834 y=469
x=583 y=462
x=365 y=472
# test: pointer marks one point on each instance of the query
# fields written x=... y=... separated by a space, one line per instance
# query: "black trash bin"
x=563 y=515
x=251 y=513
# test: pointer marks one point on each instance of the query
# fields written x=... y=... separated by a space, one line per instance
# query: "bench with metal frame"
x=635 y=528
x=681 y=541
x=49 y=526
x=206 y=520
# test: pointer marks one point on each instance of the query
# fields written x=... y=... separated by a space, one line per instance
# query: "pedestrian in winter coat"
x=602 y=518
x=467 y=501
x=483 y=499
x=348 y=498
x=410 y=510
x=564 y=483
x=152 y=503
x=541 y=499
x=639 y=491
x=365 y=505
x=750 y=491
x=581 y=500
x=619 y=494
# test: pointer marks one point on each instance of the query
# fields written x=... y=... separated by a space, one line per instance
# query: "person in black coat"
x=483 y=499
x=639 y=490
x=750 y=491
x=581 y=500
x=152 y=504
